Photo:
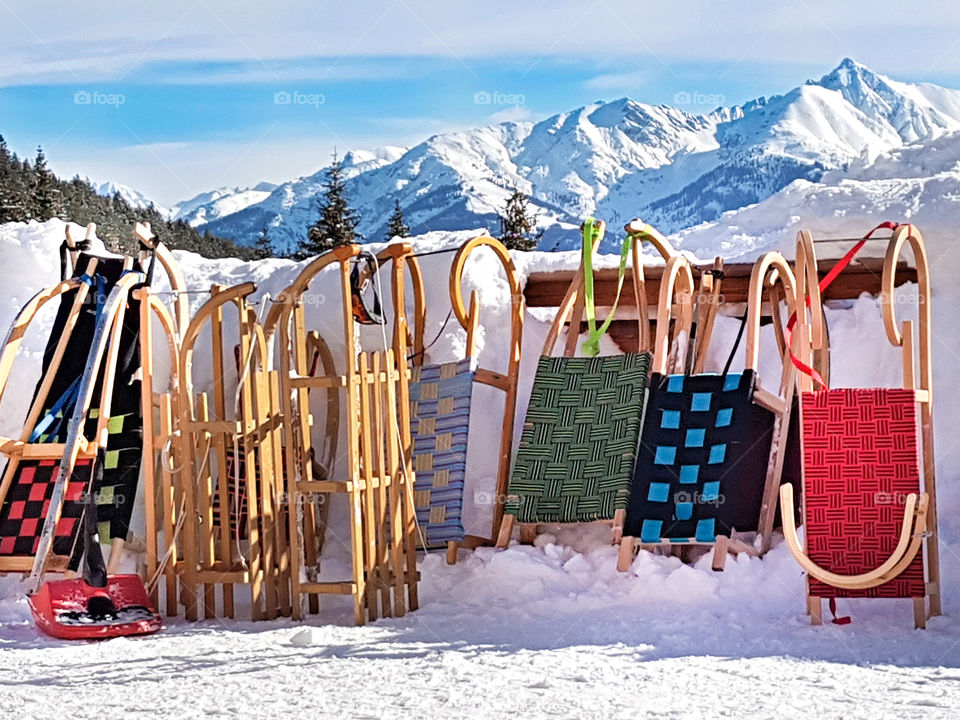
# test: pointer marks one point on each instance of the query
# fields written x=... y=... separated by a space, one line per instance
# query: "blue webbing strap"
x=60 y=408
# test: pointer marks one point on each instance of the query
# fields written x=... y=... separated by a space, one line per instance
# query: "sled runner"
x=712 y=445
x=866 y=513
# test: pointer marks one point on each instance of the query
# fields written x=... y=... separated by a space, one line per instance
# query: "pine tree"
x=10 y=207
x=396 y=227
x=43 y=190
x=263 y=248
x=32 y=191
x=337 y=224
x=518 y=224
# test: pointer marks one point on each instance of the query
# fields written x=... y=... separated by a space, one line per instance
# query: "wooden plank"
x=264 y=454
x=281 y=507
x=170 y=511
x=398 y=529
x=323 y=381
x=379 y=513
x=207 y=542
x=223 y=577
x=547 y=289
x=369 y=386
x=220 y=449
x=258 y=599
x=329 y=588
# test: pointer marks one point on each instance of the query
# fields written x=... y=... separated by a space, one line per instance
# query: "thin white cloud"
x=622 y=81
x=516 y=113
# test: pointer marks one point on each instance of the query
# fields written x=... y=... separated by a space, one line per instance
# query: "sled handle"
x=403 y=259
x=770 y=268
x=901 y=334
x=676 y=284
x=505 y=382
x=647 y=233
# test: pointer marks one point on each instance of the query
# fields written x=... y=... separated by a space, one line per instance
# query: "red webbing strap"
x=824 y=284
x=845 y=620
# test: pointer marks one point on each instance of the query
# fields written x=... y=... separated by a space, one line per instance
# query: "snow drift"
x=554 y=623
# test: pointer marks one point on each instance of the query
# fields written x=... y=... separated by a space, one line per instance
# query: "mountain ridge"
x=616 y=159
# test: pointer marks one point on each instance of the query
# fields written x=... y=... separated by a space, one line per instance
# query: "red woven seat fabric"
x=861 y=460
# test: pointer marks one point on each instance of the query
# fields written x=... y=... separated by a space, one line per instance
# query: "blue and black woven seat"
x=702 y=462
x=713 y=446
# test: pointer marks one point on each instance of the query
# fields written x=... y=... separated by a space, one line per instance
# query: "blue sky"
x=174 y=98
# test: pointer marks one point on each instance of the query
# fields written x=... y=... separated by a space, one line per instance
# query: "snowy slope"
x=209 y=206
x=551 y=629
x=621 y=159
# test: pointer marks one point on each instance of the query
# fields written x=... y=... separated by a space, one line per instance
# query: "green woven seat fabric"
x=579 y=439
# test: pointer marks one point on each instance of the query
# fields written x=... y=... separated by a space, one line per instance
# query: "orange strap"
x=824 y=284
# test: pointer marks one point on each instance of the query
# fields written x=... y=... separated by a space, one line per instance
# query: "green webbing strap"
x=591 y=345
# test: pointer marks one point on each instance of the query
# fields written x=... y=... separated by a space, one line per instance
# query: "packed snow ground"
x=550 y=629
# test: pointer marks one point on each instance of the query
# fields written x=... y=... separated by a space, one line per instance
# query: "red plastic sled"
x=73 y=610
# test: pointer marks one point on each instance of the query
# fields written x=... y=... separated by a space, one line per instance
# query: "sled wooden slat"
x=380 y=512
x=330 y=588
x=170 y=511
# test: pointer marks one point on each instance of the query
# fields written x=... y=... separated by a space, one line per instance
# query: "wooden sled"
x=72 y=608
x=538 y=494
x=37 y=452
x=883 y=555
x=378 y=477
x=441 y=412
x=212 y=434
x=698 y=426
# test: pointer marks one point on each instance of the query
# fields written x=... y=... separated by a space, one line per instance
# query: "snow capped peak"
x=133 y=198
x=377 y=156
x=617 y=159
x=914 y=111
x=214 y=204
x=849 y=73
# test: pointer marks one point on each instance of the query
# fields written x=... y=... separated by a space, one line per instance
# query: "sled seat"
x=440 y=400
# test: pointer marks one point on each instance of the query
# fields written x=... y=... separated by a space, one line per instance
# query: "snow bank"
x=544 y=619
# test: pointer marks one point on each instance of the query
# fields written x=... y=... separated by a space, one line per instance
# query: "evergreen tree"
x=396 y=227
x=43 y=191
x=10 y=198
x=264 y=246
x=32 y=191
x=337 y=224
x=518 y=224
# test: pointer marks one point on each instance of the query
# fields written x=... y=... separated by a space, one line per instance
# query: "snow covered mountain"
x=617 y=160
x=133 y=198
x=209 y=206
